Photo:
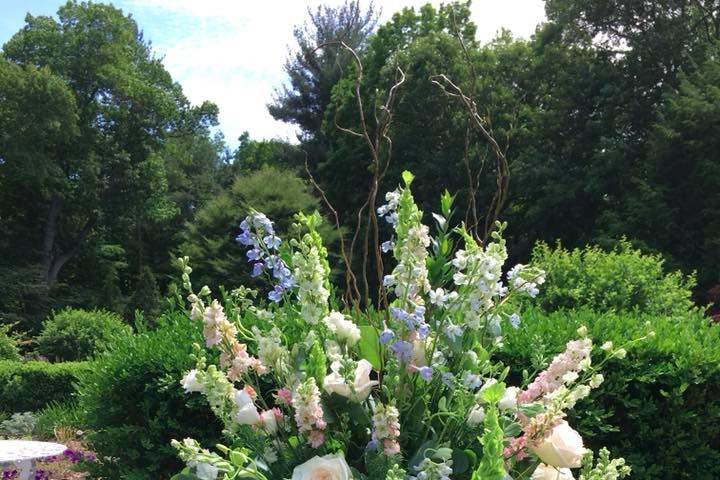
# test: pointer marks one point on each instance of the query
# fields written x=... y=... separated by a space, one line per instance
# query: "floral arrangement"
x=307 y=390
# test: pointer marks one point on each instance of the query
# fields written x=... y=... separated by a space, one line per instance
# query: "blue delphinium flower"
x=386 y=336
x=426 y=373
x=402 y=349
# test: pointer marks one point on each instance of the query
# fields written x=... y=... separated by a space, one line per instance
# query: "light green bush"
x=8 y=346
x=619 y=280
x=75 y=334
x=29 y=386
x=659 y=408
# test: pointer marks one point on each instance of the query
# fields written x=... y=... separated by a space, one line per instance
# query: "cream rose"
x=329 y=467
x=246 y=413
x=562 y=448
x=362 y=385
x=545 y=472
x=476 y=416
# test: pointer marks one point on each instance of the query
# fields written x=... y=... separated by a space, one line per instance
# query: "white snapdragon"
x=526 y=279
x=311 y=277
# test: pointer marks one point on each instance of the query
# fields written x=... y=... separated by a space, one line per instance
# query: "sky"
x=232 y=52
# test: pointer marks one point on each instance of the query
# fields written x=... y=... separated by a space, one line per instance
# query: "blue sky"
x=232 y=51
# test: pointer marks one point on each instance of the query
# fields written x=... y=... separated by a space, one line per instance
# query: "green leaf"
x=369 y=345
x=493 y=393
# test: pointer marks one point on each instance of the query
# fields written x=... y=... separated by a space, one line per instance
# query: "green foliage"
x=8 y=345
x=58 y=415
x=134 y=404
x=19 y=425
x=620 y=280
x=147 y=297
x=210 y=239
x=491 y=465
x=665 y=392
x=75 y=334
x=30 y=386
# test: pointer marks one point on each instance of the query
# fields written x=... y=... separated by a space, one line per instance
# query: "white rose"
x=335 y=383
x=476 y=416
x=329 y=467
x=190 y=383
x=205 y=471
x=544 y=472
x=246 y=413
x=269 y=421
x=343 y=328
x=509 y=399
x=563 y=448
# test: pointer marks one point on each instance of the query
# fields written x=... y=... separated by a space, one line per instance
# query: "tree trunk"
x=49 y=238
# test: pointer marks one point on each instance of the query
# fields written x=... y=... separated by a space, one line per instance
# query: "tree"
x=313 y=73
x=209 y=240
x=87 y=117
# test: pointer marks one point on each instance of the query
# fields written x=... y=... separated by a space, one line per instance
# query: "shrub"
x=55 y=415
x=18 y=425
x=134 y=404
x=75 y=334
x=29 y=386
x=619 y=280
x=662 y=402
x=8 y=346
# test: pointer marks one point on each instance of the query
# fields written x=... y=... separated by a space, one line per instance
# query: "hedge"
x=134 y=404
x=30 y=386
x=662 y=402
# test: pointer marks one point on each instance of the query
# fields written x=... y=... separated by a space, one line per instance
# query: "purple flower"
x=398 y=313
x=245 y=238
x=423 y=330
x=514 y=320
x=386 y=336
x=387 y=246
x=257 y=269
x=403 y=350
x=272 y=242
x=254 y=254
x=426 y=373
x=447 y=379
x=276 y=294
x=372 y=446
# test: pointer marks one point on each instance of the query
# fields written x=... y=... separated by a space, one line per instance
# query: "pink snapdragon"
x=386 y=428
x=239 y=361
x=216 y=326
x=309 y=413
x=564 y=367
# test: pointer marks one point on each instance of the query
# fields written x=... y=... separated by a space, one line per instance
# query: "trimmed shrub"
x=662 y=402
x=29 y=386
x=619 y=280
x=75 y=334
x=8 y=346
x=134 y=404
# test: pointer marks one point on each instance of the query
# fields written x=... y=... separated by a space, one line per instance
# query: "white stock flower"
x=476 y=416
x=361 y=387
x=562 y=448
x=190 y=383
x=246 y=413
x=205 y=471
x=343 y=328
x=329 y=467
x=545 y=472
x=509 y=399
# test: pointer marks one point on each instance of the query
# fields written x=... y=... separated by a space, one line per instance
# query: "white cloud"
x=232 y=52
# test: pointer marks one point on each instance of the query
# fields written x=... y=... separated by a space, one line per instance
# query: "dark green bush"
x=8 y=346
x=134 y=404
x=75 y=334
x=29 y=386
x=618 y=280
x=662 y=402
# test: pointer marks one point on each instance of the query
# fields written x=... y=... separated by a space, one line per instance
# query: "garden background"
x=608 y=116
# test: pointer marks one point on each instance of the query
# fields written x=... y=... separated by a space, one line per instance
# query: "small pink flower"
x=316 y=438
x=284 y=396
